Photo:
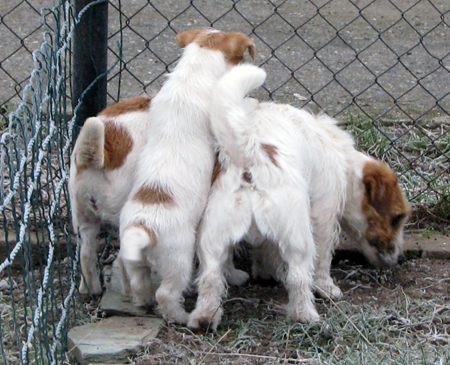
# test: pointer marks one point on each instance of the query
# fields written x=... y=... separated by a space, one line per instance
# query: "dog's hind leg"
x=285 y=219
x=135 y=245
x=226 y=220
x=175 y=263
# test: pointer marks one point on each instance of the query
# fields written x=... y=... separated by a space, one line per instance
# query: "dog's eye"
x=396 y=220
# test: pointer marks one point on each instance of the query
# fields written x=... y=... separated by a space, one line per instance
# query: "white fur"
x=317 y=164
x=98 y=194
x=324 y=155
x=337 y=191
x=179 y=157
x=273 y=205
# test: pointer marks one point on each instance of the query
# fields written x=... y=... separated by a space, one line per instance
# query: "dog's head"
x=232 y=45
x=385 y=211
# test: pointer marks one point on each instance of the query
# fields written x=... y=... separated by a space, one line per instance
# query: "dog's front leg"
x=90 y=282
x=325 y=237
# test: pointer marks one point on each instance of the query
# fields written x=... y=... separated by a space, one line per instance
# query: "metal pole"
x=90 y=61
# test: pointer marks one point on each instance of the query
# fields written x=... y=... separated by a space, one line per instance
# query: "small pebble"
x=4 y=284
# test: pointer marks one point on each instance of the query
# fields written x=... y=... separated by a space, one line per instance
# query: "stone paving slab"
x=113 y=302
x=426 y=245
x=112 y=340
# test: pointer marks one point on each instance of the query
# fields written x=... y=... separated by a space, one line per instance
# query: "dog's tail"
x=230 y=114
x=89 y=148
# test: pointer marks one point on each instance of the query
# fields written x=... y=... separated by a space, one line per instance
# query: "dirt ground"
x=254 y=329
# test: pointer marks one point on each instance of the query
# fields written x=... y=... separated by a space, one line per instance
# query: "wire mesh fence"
x=38 y=253
x=381 y=67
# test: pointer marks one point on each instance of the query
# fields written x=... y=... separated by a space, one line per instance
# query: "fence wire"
x=39 y=258
x=381 y=67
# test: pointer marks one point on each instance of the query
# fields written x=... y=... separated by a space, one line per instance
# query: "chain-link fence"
x=381 y=67
x=38 y=252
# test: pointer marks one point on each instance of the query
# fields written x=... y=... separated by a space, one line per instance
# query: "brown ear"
x=252 y=50
x=187 y=37
x=380 y=184
x=239 y=44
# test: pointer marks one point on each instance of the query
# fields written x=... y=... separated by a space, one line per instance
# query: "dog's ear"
x=381 y=185
x=234 y=47
x=187 y=37
x=238 y=44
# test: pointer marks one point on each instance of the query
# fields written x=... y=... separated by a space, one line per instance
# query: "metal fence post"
x=90 y=61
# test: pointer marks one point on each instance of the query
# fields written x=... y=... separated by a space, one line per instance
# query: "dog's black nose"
x=401 y=259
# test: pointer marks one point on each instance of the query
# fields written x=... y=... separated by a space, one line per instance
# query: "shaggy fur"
x=274 y=161
x=261 y=193
x=159 y=220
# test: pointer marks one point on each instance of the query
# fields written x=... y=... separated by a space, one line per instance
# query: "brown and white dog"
x=288 y=180
x=102 y=171
x=158 y=222
x=129 y=145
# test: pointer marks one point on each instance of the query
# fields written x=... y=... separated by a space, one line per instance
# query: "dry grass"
x=376 y=324
x=419 y=153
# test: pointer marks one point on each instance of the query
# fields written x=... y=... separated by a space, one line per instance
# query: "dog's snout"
x=401 y=259
x=387 y=261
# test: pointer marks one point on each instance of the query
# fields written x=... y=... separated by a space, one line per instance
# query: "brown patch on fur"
x=272 y=152
x=154 y=194
x=384 y=205
x=188 y=36
x=232 y=45
x=138 y=103
x=217 y=170
x=150 y=232
x=118 y=144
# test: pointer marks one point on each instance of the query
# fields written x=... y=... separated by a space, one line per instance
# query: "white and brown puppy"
x=102 y=170
x=104 y=161
x=274 y=159
x=158 y=222
x=261 y=192
x=347 y=189
x=373 y=213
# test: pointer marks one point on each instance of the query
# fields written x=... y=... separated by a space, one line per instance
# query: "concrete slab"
x=428 y=244
x=113 y=302
x=112 y=340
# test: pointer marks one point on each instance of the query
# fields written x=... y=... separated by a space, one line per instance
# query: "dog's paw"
x=327 y=290
x=147 y=303
x=237 y=277
x=179 y=317
x=202 y=324
x=93 y=289
x=307 y=314
x=205 y=320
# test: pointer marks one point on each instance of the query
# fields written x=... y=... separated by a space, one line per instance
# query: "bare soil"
x=254 y=328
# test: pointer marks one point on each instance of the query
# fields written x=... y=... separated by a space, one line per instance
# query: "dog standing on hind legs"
x=259 y=193
x=158 y=222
